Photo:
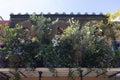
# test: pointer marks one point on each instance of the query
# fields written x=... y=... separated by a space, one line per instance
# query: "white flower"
x=22 y=41
x=57 y=36
x=88 y=32
x=100 y=30
x=56 y=40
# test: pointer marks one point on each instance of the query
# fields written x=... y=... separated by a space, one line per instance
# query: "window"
x=116 y=45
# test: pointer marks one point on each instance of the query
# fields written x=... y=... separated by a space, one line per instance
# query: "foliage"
x=95 y=45
x=75 y=47
x=111 y=19
x=112 y=29
x=16 y=76
x=14 y=41
x=71 y=74
x=114 y=15
x=25 y=44
x=117 y=54
x=53 y=71
x=88 y=44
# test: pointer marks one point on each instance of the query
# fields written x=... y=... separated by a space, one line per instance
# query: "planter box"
x=62 y=73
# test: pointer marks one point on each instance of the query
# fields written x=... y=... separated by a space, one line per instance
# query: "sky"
x=37 y=6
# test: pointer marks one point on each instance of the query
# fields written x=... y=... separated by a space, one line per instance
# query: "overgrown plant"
x=89 y=45
x=73 y=47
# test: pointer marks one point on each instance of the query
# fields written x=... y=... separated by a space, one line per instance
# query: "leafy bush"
x=88 y=45
x=73 y=47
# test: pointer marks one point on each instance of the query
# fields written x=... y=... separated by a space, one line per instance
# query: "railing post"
x=40 y=74
x=81 y=77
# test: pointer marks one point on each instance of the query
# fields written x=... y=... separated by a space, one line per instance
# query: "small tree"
x=88 y=45
x=27 y=44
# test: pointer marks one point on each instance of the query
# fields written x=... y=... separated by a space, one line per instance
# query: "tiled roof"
x=57 y=13
x=18 y=18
